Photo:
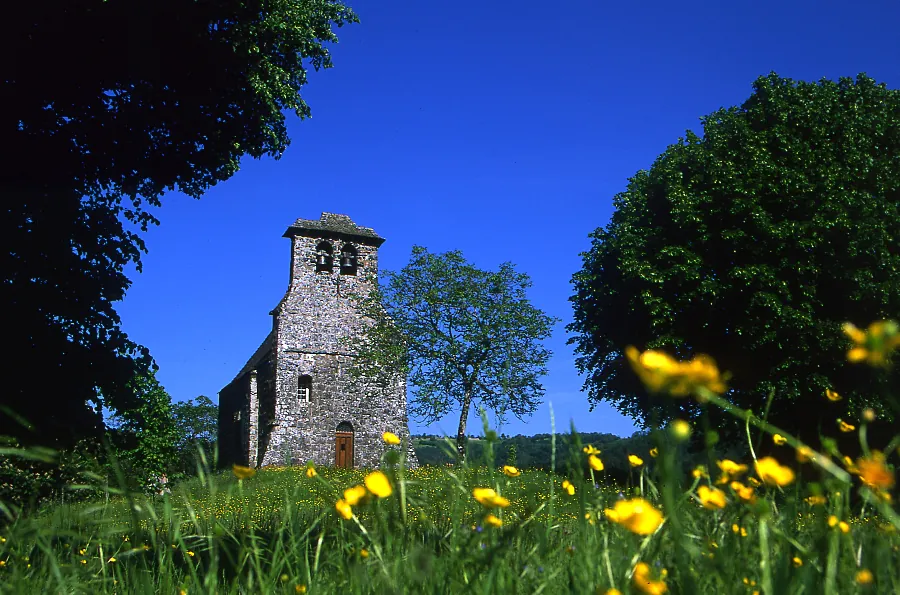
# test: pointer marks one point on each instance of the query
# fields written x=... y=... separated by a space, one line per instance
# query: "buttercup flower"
x=661 y=373
x=637 y=515
x=804 y=454
x=488 y=498
x=378 y=483
x=779 y=440
x=355 y=495
x=680 y=430
x=311 y=471
x=644 y=583
x=344 y=509
x=730 y=468
x=699 y=471
x=772 y=473
x=654 y=452
x=390 y=438
x=745 y=493
x=797 y=562
x=595 y=463
x=832 y=395
x=844 y=426
x=711 y=498
x=875 y=344
x=242 y=472
x=873 y=471
x=492 y=521
x=635 y=461
x=816 y=500
x=511 y=471
x=590 y=450
x=568 y=487
x=865 y=577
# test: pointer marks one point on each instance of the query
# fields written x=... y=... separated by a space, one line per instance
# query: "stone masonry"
x=294 y=401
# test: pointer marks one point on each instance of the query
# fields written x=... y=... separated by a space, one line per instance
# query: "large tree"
x=754 y=243
x=461 y=336
x=107 y=104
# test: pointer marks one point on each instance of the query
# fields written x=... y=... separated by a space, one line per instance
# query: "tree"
x=196 y=422
x=754 y=244
x=138 y=103
x=460 y=335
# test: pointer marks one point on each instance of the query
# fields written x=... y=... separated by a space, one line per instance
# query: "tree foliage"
x=754 y=243
x=196 y=424
x=461 y=336
x=107 y=105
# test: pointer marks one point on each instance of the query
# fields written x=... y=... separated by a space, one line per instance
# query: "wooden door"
x=343 y=456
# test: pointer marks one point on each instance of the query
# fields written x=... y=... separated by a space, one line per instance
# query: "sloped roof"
x=267 y=345
x=333 y=224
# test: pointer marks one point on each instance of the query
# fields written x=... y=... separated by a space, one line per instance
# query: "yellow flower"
x=644 y=583
x=344 y=509
x=635 y=461
x=779 y=440
x=680 y=430
x=488 y=498
x=832 y=395
x=300 y=589
x=832 y=521
x=378 y=483
x=845 y=528
x=654 y=452
x=364 y=553
x=311 y=471
x=865 y=577
x=730 y=468
x=816 y=500
x=711 y=498
x=242 y=472
x=772 y=473
x=590 y=450
x=595 y=463
x=735 y=528
x=355 y=495
x=492 y=521
x=873 y=471
x=190 y=553
x=661 y=373
x=111 y=560
x=613 y=592
x=805 y=454
x=511 y=471
x=844 y=426
x=637 y=515
x=849 y=465
x=390 y=438
x=797 y=561
x=699 y=471
x=568 y=487
x=875 y=345
x=745 y=493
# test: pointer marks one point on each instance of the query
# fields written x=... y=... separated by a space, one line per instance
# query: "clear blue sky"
x=499 y=128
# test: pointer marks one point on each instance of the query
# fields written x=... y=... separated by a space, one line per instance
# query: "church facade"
x=295 y=401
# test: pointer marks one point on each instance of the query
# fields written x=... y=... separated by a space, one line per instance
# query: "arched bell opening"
x=349 y=259
x=343 y=445
x=324 y=257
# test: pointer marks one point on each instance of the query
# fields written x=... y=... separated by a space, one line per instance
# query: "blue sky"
x=502 y=129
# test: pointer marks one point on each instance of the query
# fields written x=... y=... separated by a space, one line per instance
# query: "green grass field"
x=280 y=532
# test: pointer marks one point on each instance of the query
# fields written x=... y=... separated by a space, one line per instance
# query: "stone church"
x=294 y=401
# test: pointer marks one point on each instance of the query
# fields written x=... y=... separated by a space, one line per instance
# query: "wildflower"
x=753 y=481
x=613 y=592
x=745 y=493
x=804 y=454
x=590 y=450
x=680 y=430
x=595 y=463
x=644 y=583
x=735 y=528
x=729 y=467
x=711 y=498
x=492 y=521
x=850 y=465
x=300 y=589
x=797 y=561
x=832 y=395
x=190 y=553
x=875 y=344
x=816 y=500
x=488 y=498
x=568 y=487
x=654 y=452
x=865 y=577
x=364 y=553
x=111 y=560
x=377 y=483
x=311 y=471
x=772 y=473
x=355 y=495
x=344 y=509
x=661 y=373
x=779 y=440
x=636 y=515
x=635 y=461
x=390 y=438
x=243 y=472
x=874 y=473
x=511 y=471
x=82 y=561
x=699 y=471
x=844 y=426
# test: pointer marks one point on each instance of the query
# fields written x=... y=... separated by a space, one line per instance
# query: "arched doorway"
x=343 y=445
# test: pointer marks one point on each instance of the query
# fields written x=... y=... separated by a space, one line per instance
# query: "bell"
x=322 y=260
x=346 y=261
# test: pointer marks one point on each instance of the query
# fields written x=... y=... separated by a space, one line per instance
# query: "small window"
x=324 y=257
x=237 y=416
x=305 y=388
x=348 y=260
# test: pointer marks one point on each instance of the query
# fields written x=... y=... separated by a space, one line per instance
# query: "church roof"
x=258 y=356
x=336 y=225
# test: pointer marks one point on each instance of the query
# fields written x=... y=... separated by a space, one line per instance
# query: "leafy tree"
x=460 y=335
x=754 y=243
x=138 y=102
x=196 y=423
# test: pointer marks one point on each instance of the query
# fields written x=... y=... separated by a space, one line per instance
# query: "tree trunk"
x=463 y=418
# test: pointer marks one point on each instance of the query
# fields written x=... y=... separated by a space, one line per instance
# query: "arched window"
x=324 y=257
x=304 y=385
x=348 y=260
